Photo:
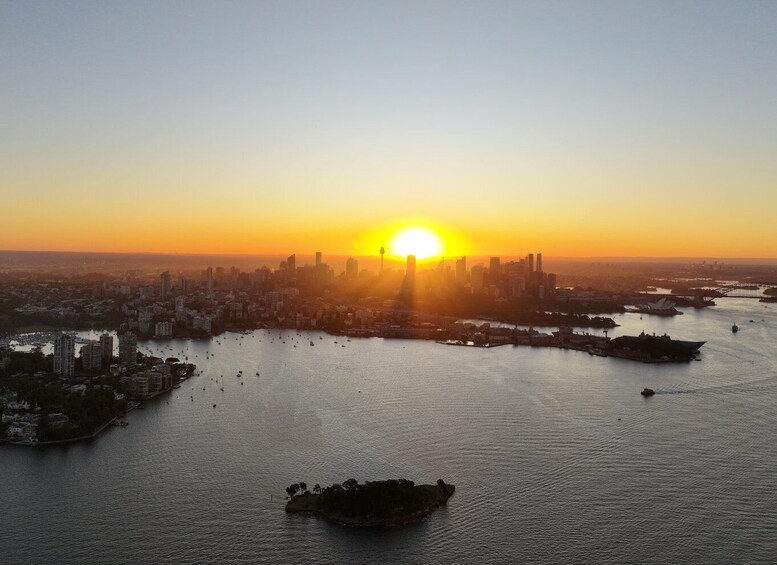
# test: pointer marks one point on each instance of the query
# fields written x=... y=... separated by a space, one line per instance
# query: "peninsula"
x=374 y=503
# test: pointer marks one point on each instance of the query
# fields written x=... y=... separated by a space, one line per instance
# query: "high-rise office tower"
x=539 y=262
x=64 y=355
x=165 y=283
x=351 y=269
x=318 y=259
x=530 y=263
x=495 y=267
x=477 y=274
x=410 y=270
x=291 y=265
x=461 y=270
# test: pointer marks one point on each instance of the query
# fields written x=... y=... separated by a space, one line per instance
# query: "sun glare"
x=416 y=240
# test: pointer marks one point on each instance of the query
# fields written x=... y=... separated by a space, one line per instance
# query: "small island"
x=374 y=503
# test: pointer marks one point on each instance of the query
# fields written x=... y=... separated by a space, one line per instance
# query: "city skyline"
x=592 y=129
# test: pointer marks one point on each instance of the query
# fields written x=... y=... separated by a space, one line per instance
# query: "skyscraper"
x=539 y=262
x=291 y=265
x=128 y=348
x=477 y=274
x=165 y=283
x=106 y=350
x=64 y=355
x=495 y=267
x=461 y=270
x=410 y=271
x=530 y=263
x=351 y=269
x=318 y=259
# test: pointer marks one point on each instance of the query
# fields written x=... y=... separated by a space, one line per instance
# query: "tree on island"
x=292 y=490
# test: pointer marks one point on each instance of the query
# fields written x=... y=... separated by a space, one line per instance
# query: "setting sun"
x=419 y=241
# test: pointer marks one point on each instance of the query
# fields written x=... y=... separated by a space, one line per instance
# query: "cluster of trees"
x=27 y=362
x=373 y=499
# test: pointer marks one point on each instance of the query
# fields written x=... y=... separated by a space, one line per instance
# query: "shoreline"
x=134 y=404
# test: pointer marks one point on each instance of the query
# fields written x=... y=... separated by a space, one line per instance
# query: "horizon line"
x=276 y=254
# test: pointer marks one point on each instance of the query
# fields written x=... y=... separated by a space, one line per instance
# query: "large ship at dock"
x=653 y=348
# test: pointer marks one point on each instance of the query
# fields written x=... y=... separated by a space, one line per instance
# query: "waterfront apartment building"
x=163 y=329
x=128 y=348
x=65 y=355
x=106 y=350
x=91 y=356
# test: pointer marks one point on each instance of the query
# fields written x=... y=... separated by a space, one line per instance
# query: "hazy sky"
x=573 y=128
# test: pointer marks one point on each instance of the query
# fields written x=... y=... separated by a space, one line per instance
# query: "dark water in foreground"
x=545 y=470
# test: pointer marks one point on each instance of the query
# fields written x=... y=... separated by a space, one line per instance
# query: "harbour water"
x=556 y=456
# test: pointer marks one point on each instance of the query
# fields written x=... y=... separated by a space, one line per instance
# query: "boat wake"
x=749 y=386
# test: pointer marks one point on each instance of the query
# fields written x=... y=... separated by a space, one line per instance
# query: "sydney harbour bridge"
x=762 y=290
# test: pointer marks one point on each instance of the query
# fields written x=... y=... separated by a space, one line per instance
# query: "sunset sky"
x=572 y=128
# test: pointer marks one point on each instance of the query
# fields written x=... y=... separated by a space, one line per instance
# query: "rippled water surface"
x=555 y=455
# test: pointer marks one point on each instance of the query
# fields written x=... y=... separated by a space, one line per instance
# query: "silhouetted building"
x=410 y=270
x=477 y=274
x=319 y=260
x=494 y=267
x=106 y=350
x=184 y=285
x=461 y=270
x=291 y=265
x=166 y=283
x=530 y=263
x=65 y=355
x=539 y=262
x=128 y=348
x=351 y=269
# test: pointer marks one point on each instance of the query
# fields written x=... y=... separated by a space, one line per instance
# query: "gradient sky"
x=574 y=128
